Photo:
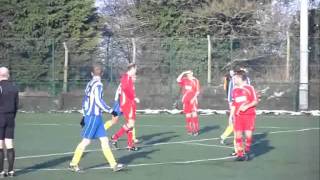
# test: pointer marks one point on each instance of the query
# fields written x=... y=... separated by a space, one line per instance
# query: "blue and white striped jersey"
x=92 y=103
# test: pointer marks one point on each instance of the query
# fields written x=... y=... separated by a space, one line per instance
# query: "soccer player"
x=128 y=102
x=228 y=85
x=190 y=91
x=243 y=112
x=116 y=108
x=9 y=99
x=93 y=106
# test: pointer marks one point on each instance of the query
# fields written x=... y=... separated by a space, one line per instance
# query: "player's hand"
x=82 y=123
x=243 y=108
x=137 y=100
x=115 y=114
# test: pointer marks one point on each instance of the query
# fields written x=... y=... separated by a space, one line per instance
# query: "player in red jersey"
x=243 y=111
x=190 y=91
x=128 y=102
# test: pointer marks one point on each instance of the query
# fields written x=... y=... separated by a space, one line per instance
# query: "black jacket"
x=9 y=97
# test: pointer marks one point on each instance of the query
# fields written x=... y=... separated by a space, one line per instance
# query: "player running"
x=190 y=91
x=116 y=108
x=93 y=106
x=243 y=112
x=128 y=102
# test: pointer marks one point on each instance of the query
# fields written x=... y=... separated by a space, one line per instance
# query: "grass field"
x=285 y=147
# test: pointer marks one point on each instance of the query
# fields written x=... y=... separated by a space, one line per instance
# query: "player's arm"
x=232 y=113
x=179 y=79
x=230 y=88
x=99 y=101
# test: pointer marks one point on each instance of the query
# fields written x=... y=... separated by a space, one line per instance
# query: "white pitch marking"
x=138 y=165
x=209 y=145
x=168 y=143
x=144 y=125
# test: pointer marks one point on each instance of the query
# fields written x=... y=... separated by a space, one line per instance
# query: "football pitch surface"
x=285 y=147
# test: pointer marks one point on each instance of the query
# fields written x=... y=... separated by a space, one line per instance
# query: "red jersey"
x=190 y=88
x=128 y=92
x=243 y=95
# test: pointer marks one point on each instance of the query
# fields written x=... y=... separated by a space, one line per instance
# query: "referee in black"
x=8 y=109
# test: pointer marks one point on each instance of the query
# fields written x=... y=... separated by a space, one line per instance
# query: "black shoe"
x=114 y=143
x=11 y=174
x=240 y=158
x=3 y=174
x=118 y=167
x=249 y=156
x=134 y=148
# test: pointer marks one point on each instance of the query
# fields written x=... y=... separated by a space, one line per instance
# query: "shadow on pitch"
x=46 y=164
x=148 y=137
x=208 y=129
x=160 y=138
x=261 y=145
x=128 y=159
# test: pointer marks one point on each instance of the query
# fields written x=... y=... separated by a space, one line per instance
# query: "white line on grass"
x=165 y=143
x=144 y=125
x=209 y=145
x=136 y=165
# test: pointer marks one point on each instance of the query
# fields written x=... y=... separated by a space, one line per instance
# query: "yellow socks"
x=227 y=132
x=108 y=124
x=77 y=156
x=109 y=156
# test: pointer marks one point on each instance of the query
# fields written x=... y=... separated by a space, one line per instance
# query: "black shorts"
x=7 y=124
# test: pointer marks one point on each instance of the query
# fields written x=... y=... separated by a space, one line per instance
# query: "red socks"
x=239 y=147
x=120 y=133
x=189 y=124
x=195 y=124
x=248 y=144
x=130 y=139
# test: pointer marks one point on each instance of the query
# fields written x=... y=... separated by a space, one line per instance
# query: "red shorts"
x=129 y=112
x=244 y=122
x=189 y=107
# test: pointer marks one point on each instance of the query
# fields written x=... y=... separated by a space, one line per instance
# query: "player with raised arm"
x=93 y=106
x=128 y=102
x=243 y=112
x=190 y=91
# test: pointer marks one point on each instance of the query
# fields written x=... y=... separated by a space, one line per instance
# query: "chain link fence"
x=37 y=66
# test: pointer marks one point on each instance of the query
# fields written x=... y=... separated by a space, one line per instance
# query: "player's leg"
x=109 y=155
x=2 y=172
x=188 y=113
x=249 y=128
x=134 y=136
x=239 y=143
x=131 y=146
x=10 y=155
x=88 y=132
x=248 y=134
x=195 y=123
x=78 y=152
x=8 y=142
x=238 y=128
x=227 y=132
x=108 y=124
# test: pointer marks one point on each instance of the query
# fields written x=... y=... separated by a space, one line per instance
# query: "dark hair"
x=242 y=74
x=131 y=65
